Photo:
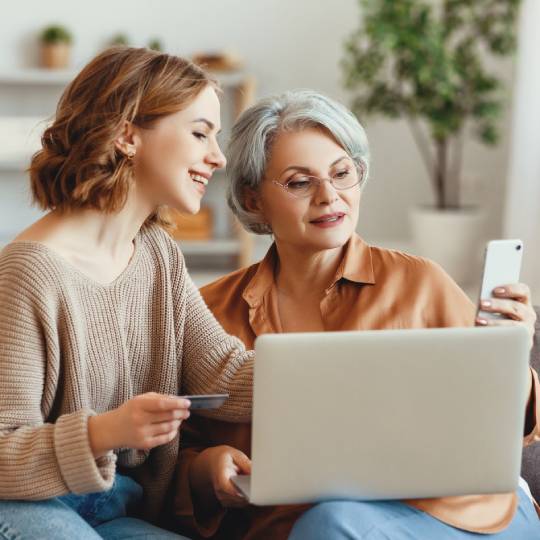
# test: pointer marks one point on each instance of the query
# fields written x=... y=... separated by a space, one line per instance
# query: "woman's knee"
x=329 y=520
x=42 y=519
x=346 y=520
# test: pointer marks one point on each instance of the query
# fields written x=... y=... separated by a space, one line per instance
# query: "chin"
x=322 y=244
x=333 y=239
x=185 y=205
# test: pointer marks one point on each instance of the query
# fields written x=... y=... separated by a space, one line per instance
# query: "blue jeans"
x=393 y=520
x=81 y=517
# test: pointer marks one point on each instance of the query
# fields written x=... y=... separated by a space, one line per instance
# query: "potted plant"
x=426 y=62
x=55 y=47
x=155 y=44
x=119 y=40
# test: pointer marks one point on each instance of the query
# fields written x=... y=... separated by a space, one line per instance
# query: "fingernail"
x=499 y=290
x=481 y=322
x=485 y=303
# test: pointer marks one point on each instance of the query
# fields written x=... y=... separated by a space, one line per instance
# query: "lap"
x=85 y=517
x=51 y=519
x=384 y=520
x=128 y=527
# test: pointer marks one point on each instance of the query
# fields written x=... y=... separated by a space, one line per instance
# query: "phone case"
x=502 y=266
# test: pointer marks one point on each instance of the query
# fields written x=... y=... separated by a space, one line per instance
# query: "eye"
x=298 y=183
x=342 y=174
x=199 y=135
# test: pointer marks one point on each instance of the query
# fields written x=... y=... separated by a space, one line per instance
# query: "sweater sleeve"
x=213 y=361
x=38 y=459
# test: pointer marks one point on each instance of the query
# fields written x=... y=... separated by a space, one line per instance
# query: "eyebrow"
x=205 y=121
x=307 y=169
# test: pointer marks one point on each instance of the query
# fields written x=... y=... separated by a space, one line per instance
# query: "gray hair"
x=256 y=129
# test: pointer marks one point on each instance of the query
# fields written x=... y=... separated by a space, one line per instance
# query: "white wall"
x=286 y=44
x=523 y=207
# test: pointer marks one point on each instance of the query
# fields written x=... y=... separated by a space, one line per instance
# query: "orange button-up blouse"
x=373 y=288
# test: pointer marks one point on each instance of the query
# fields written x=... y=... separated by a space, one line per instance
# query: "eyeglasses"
x=303 y=186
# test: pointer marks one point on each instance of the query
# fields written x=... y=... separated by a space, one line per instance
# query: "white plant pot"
x=452 y=238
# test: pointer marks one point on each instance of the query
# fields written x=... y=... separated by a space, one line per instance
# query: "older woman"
x=298 y=164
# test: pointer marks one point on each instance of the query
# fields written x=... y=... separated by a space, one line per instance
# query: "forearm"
x=214 y=361
x=50 y=460
x=227 y=368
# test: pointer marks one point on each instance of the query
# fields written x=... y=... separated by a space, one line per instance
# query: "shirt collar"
x=356 y=266
x=262 y=280
x=357 y=263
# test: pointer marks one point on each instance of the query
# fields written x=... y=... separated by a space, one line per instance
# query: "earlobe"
x=125 y=143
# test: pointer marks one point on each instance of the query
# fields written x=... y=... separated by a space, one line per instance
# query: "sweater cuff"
x=81 y=472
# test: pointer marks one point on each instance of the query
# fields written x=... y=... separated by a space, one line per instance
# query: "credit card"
x=209 y=401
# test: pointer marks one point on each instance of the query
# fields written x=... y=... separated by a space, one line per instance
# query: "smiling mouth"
x=199 y=179
x=328 y=219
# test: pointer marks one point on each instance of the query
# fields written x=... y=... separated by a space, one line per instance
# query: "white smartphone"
x=502 y=265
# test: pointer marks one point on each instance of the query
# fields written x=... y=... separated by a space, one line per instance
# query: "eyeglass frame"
x=357 y=166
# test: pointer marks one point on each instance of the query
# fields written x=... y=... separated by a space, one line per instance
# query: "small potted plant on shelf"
x=427 y=63
x=56 y=43
x=155 y=44
x=118 y=40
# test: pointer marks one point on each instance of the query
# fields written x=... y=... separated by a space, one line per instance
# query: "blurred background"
x=448 y=91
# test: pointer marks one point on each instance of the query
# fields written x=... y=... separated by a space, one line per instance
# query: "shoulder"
x=407 y=266
x=422 y=284
x=28 y=273
x=24 y=259
x=161 y=248
x=157 y=237
x=228 y=290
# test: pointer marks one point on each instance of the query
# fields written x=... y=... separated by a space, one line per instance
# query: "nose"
x=325 y=194
x=215 y=157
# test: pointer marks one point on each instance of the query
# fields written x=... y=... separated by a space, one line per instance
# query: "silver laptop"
x=392 y=414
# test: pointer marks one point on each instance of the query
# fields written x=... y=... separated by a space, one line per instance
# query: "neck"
x=302 y=273
x=108 y=233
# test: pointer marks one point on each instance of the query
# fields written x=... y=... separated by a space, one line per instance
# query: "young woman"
x=297 y=166
x=101 y=328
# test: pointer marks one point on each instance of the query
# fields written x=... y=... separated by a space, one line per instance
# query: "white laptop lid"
x=391 y=414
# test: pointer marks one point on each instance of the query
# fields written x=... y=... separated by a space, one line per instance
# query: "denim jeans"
x=81 y=517
x=393 y=520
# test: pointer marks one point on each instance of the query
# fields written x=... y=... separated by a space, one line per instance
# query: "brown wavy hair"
x=79 y=165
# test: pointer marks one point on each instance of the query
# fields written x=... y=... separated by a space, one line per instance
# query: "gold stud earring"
x=130 y=154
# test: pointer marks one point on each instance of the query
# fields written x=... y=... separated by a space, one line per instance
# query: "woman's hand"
x=143 y=422
x=213 y=469
x=512 y=301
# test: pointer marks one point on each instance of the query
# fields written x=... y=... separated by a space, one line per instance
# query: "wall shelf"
x=36 y=76
x=61 y=77
x=209 y=247
x=14 y=165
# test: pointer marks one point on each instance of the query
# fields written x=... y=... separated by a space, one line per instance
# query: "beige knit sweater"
x=71 y=347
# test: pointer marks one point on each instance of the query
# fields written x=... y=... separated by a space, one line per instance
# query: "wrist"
x=101 y=434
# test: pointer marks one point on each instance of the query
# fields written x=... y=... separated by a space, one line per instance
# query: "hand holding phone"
x=502 y=266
